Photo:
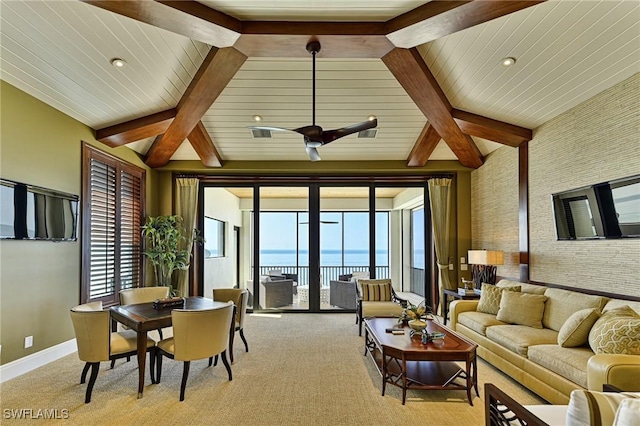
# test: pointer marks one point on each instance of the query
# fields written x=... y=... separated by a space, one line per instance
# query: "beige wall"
x=594 y=142
x=40 y=280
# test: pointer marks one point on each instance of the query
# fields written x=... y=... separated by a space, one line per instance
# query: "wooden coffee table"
x=405 y=362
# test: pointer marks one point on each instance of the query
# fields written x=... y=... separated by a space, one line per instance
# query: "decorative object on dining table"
x=169 y=302
x=168 y=247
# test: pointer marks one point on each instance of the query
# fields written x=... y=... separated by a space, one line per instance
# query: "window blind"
x=112 y=253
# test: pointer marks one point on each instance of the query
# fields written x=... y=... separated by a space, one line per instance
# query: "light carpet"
x=302 y=369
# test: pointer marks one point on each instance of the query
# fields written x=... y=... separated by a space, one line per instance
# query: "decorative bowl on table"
x=418 y=324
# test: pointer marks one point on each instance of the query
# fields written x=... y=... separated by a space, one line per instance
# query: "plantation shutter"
x=114 y=198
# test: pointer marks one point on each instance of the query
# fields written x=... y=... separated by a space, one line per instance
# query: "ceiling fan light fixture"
x=313 y=144
x=508 y=61
x=372 y=117
x=118 y=62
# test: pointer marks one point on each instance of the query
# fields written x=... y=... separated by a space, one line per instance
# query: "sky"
x=278 y=230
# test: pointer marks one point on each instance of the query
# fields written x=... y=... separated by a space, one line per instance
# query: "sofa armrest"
x=621 y=371
x=457 y=307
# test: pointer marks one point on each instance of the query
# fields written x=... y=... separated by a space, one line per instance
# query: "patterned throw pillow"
x=375 y=290
x=490 y=298
x=616 y=332
x=594 y=408
x=522 y=308
x=575 y=330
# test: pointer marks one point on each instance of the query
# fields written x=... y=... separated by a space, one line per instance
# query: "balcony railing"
x=327 y=273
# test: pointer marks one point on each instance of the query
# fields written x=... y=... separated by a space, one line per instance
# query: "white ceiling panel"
x=566 y=51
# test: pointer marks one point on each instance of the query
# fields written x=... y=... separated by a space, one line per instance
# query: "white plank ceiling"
x=566 y=51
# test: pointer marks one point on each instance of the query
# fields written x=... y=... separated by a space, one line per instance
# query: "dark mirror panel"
x=604 y=210
x=29 y=212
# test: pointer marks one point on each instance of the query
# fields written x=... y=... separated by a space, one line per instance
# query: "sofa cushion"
x=561 y=304
x=490 y=298
x=588 y=408
x=617 y=331
x=575 y=330
x=478 y=321
x=375 y=290
x=518 y=338
x=570 y=363
x=522 y=308
x=524 y=287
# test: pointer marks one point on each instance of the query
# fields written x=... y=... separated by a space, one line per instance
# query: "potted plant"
x=167 y=247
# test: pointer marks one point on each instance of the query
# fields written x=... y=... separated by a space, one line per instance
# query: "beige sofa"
x=533 y=357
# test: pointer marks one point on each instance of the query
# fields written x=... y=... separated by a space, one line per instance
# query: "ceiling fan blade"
x=271 y=128
x=313 y=154
x=332 y=135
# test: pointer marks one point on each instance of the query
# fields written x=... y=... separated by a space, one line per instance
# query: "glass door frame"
x=314 y=184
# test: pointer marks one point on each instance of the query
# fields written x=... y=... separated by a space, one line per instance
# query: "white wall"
x=220 y=272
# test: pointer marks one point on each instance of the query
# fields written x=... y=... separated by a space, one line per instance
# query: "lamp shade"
x=485 y=257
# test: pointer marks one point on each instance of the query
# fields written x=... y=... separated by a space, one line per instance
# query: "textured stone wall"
x=494 y=208
x=597 y=141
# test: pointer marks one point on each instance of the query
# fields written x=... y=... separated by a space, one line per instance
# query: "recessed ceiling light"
x=507 y=62
x=118 y=63
x=257 y=118
x=371 y=117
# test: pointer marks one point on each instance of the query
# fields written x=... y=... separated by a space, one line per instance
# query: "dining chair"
x=132 y=296
x=197 y=334
x=96 y=342
x=240 y=298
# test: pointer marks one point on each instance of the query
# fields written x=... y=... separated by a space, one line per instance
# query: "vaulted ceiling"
x=197 y=72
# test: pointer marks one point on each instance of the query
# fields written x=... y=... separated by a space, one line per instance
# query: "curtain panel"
x=440 y=205
x=187 y=207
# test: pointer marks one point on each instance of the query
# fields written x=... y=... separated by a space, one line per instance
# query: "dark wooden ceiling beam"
x=424 y=146
x=204 y=147
x=493 y=130
x=217 y=69
x=439 y=18
x=414 y=76
x=188 y=18
x=135 y=130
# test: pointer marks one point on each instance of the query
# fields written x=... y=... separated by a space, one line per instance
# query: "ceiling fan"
x=315 y=136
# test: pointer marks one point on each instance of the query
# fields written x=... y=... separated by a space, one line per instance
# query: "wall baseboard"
x=31 y=362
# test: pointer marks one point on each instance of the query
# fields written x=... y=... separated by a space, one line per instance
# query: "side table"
x=454 y=295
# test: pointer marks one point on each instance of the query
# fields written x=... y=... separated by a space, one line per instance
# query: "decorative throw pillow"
x=490 y=298
x=521 y=308
x=588 y=408
x=575 y=330
x=616 y=332
x=375 y=290
x=628 y=412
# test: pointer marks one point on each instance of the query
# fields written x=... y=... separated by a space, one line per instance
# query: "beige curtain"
x=440 y=204
x=187 y=207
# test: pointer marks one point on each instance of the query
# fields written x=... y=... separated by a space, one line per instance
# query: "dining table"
x=143 y=317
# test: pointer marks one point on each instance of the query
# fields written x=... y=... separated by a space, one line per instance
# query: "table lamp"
x=483 y=265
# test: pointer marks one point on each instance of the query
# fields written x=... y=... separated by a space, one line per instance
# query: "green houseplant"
x=167 y=247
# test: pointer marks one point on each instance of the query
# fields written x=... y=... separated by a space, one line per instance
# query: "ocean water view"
x=281 y=257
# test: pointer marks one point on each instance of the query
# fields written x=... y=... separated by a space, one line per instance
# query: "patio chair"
x=376 y=298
